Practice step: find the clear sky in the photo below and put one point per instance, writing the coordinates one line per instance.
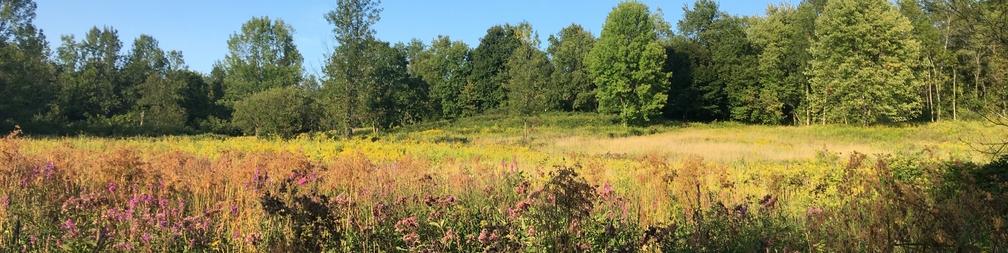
(200, 28)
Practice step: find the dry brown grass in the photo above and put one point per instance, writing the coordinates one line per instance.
(777, 143)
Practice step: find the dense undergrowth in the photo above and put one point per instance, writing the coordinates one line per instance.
(125, 198)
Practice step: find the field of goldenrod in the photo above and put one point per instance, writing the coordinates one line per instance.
(461, 190)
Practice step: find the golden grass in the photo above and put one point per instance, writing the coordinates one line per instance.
(661, 175)
(783, 143)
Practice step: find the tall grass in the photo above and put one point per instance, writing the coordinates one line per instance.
(314, 195)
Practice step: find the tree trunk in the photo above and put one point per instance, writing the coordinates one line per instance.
(930, 98)
(955, 95)
(808, 108)
(976, 76)
(349, 99)
(526, 131)
(347, 128)
(937, 93)
(948, 31)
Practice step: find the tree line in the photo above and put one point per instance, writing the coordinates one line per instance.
(819, 62)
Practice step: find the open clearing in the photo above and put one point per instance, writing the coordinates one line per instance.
(485, 175)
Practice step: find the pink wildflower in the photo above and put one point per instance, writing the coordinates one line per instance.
(71, 227)
(112, 187)
(448, 237)
(407, 224)
(412, 238)
(484, 236)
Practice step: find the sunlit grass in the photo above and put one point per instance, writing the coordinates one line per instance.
(668, 176)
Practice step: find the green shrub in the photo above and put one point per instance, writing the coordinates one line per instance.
(278, 111)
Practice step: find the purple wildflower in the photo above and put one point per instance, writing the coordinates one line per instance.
(71, 227)
(112, 187)
(406, 224)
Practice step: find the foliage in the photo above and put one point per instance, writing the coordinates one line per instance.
(724, 80)
(528, 80)
(781, 93)
(906, 61)
(702, 94)
(26, 77)
(572, 88)
(89, 76)
(445, 67)
(159, 105)
(626, 64)
(261, 56)
(280, 111)
(386, 96)
(488, 75)
(352, 22)
(858, 74)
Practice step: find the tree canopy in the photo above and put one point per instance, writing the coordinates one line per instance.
(573, 88)
(261, 56)
(863, 61)
(626, 64)
(818, 62)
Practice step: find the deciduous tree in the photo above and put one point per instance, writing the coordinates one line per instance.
(353, 22)
(863, 62)
(485, 89)
(26, 75)
(444, 66)
(626, 64)
(261, 56)
(573, 88)
(529, 79)
(781, 79)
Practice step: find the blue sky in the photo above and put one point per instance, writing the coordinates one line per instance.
(200, 28)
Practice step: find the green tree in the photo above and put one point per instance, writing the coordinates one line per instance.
(390, 96)
(805, 19)
(159, 107)
(686, 99)
(353, 22)
(485, 89)
(218, 112)
(932, 52)
(702, 94)
(196, 95)
(90, 81)
(444, 67)
(725, 79)
(626, 64)
(733, 57)
(145, 59)
(529, 79)
(26, 76)
(386, 95)
(781, 78)
(572, 89)
(261, 56)
(282, 111)
(170, 98)
(863, 61)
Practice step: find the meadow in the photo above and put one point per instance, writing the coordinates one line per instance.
(567, 183)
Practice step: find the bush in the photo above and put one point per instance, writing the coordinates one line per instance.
(278, 111)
